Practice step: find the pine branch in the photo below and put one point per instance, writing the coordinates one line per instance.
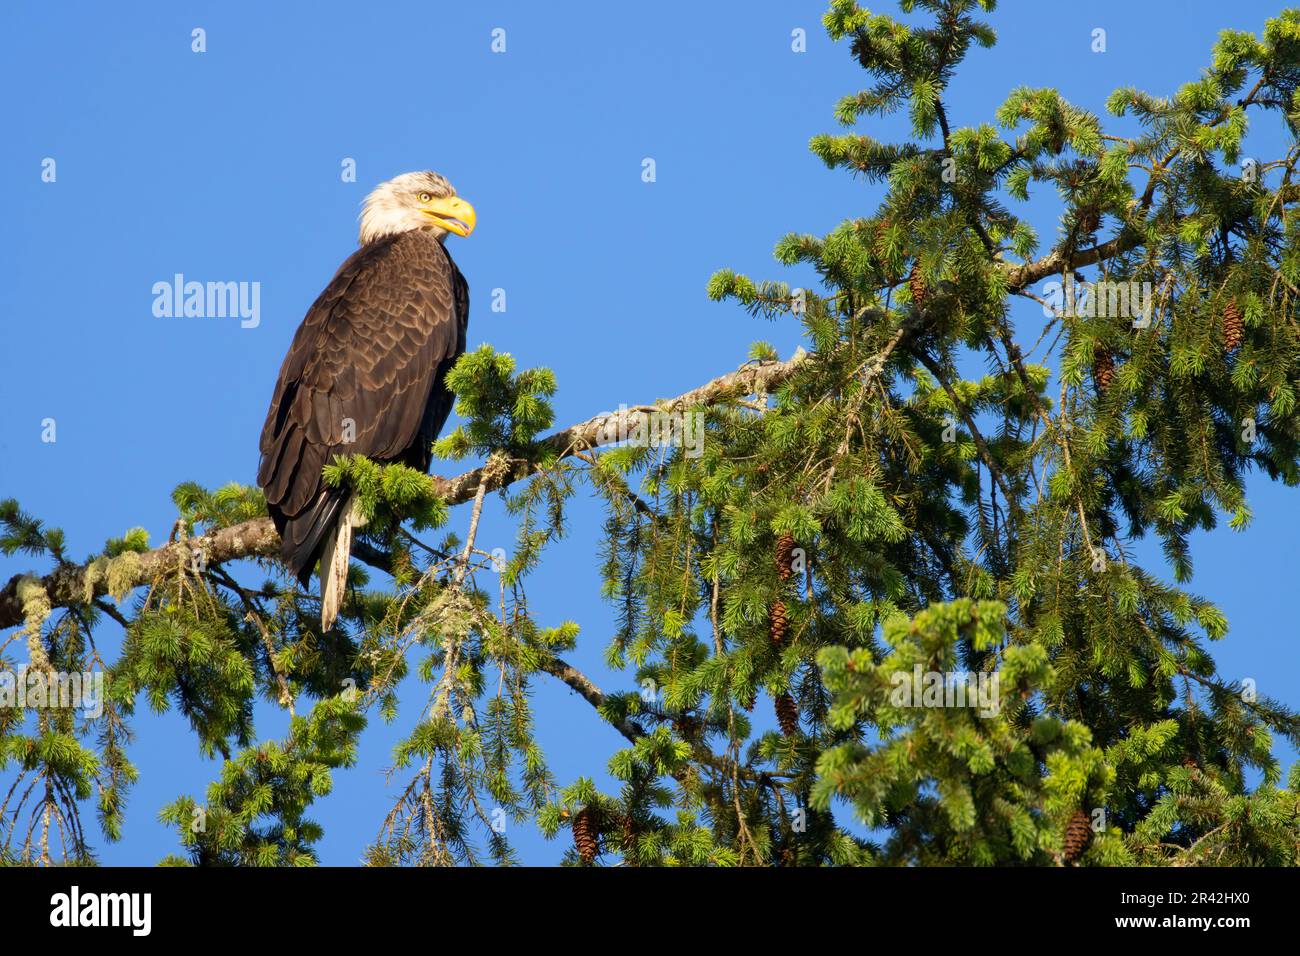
(258, 538)
(1063, 258)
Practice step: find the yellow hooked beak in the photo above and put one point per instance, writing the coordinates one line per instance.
(452, 213)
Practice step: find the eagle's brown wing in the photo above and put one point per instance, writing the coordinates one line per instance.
(366, 363)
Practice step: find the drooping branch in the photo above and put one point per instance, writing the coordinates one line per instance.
(66, 585)
(582, 684)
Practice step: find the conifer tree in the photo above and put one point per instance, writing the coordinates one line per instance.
(863, 517)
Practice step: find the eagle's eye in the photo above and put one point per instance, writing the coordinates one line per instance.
(425, 197)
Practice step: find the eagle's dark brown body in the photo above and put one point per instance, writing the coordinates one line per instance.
(370, 358)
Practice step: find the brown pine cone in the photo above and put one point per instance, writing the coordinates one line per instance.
(1103, 369)
(629, 833)
(1234, 329)
(787, 715)
(916, 285)
(585, 837)
(1078, 834)
(1088, 222)
(778, 623)
(784, 553)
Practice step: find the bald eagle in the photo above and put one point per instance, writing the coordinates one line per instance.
(366, 372)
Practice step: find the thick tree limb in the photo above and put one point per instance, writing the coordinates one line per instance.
(66, 585)
(1060, 260)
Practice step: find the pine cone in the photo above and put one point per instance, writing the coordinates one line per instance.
(629, 833)
(1103, 369)
(917, 286)
(1078, 834)
(585, 837)
(1234, 329)
(787, 715)
(878, 232)
(784, 553)
(1089, 220)
(777, 623)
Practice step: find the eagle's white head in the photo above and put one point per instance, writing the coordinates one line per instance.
(421, 200)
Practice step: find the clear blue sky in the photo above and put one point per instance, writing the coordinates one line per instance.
(225, 166)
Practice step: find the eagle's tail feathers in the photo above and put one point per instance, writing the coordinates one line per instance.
(334, 565)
